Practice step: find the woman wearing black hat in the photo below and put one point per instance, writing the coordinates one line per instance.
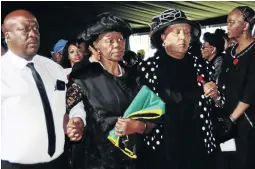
(105, 90)
(186, 140)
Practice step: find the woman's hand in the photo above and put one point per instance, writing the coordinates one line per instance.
(75, 128)
(211, 90)
(128, 126)
(95, 57)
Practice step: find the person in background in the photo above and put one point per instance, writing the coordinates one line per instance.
(33, 100)
(212, 51)
(71, 55)
(141, 54)
(58, 48)
(229, 42)
(83, 47)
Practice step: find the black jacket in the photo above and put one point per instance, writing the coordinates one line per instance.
(105, 98)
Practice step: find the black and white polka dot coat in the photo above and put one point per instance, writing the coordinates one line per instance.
(148, 70)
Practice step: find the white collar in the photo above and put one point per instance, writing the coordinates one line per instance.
(109, 72)
(18, 61)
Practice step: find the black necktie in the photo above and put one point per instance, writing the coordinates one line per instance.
(47, 110)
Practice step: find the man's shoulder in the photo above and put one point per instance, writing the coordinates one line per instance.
(3, 58)
(5, 61)
(47, 62)
(50, 66)
(44, 59)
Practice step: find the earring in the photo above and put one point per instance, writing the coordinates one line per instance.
(163, 44)
(99, 55)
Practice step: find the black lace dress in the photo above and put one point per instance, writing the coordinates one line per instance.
(105, 98)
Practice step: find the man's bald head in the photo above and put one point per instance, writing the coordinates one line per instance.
(21, 31)
(9, 20)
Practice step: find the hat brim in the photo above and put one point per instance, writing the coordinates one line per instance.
(106, 22)
(156, 34)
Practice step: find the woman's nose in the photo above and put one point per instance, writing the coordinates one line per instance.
(182, 35)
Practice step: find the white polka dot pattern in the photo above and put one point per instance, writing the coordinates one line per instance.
(205, 70)
(149, 68)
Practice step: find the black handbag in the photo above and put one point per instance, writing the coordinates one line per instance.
(224, 129)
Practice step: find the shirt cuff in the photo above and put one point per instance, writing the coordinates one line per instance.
(78, 111)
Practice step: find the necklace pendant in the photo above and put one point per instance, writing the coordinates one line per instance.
(235, 61)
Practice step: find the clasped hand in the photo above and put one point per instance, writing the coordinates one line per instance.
(74, 128)
(210, 90)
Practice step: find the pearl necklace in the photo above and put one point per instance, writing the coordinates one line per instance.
(238, 55)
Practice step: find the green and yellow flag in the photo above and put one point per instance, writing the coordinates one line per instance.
(146, 106)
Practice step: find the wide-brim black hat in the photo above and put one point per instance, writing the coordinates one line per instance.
(105, 22)
(169, 17)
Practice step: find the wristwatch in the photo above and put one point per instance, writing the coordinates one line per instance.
(232, 118)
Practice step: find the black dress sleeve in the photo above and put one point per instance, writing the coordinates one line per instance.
(249, 85)
(73, 96)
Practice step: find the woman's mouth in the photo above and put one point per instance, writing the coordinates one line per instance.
(78, 58)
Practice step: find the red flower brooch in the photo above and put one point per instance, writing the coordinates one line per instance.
(235, 61)
(200, 79)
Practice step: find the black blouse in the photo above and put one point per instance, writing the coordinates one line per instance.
(239, 79)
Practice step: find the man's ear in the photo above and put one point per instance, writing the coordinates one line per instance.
(7, 36)
(5, 32)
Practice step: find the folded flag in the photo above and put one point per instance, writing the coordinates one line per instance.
(147, 107)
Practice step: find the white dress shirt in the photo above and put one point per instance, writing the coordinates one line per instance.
(24, 137)
(67, 71)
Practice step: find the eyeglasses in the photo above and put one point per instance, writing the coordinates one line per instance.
(205, 47)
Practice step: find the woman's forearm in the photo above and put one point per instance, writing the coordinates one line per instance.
(239, 110)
